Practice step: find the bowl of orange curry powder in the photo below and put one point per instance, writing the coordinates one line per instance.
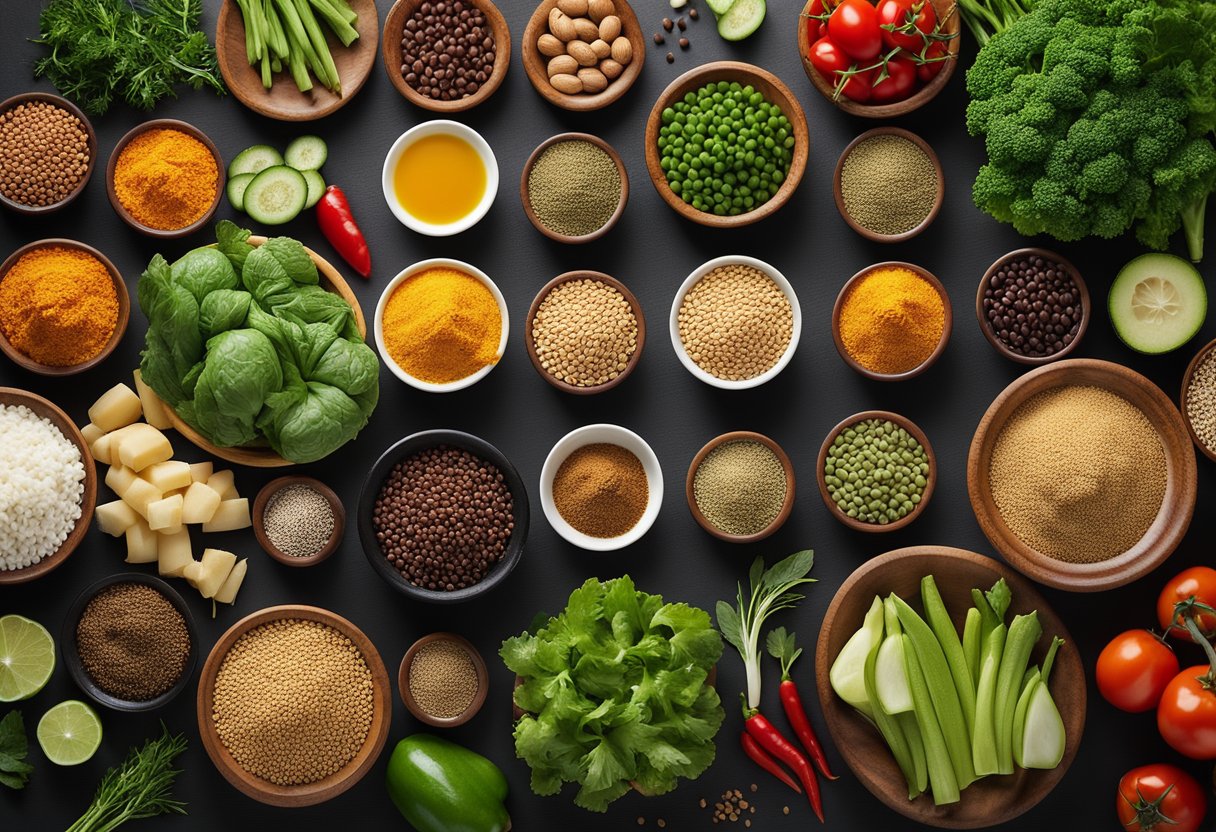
(165, 178)
(63, 307)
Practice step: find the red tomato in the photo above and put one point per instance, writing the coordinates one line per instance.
(935, 59)
(1134, 669)
(1158, 798)
(898, 15)
(829, 61)
(899, 83)
(1198, 582)
(853, 27)
(1186, 716)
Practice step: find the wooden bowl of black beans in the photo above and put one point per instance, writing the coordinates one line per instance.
(446, 57)
(1033, 306)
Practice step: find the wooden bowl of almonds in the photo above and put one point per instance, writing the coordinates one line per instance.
(583, 54)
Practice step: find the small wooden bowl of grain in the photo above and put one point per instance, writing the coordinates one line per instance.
(690, 486)
(1198, 405)
(273, 489)
(35, 98)
(525, 192)
(452, 665)
(930, 165)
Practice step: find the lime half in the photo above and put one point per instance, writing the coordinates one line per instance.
(27, 657)
(69, 733)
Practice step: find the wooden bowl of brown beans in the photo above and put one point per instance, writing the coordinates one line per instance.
(446, 57)
(1033, 306)
(53, 150)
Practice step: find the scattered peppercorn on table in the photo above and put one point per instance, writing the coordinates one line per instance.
(298, 722)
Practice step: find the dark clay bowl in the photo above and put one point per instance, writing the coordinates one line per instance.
(407, 696)
(409, 446)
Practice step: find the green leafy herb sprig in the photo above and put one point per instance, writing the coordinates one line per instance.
(14, 770)
(141, 786)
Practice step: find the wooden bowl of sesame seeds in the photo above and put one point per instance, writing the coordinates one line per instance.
(576, 304)
(64, 190)
(269, 491)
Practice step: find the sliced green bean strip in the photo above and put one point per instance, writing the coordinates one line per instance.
(938, 763)
(983, 744)
(971, 642)
(916, 746)
(1024, 632)
(947, 638)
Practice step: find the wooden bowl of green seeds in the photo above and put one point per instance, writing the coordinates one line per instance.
(888, 185)
(740, 487)
(574, 187)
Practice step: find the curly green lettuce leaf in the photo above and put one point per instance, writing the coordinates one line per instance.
(174, 343)
(204, 270)
(240, 372)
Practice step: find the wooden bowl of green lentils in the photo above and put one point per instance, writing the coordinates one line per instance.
(876, 471)
(740, 487)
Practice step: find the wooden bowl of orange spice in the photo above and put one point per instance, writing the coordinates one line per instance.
(63, 307)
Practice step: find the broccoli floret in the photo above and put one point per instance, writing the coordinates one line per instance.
(1181, 188)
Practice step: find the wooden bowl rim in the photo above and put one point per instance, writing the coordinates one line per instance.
(836, 711)
(407, 696)
(390, 50)
(272, 488)
(947, 325)
(328, 787)
(787, 504)
(630, 298)
(525, 195)
(751, 74)
(535, 63)
(939, 193)
(1203, 353)
(917, 434)
(1177, 506)
(898, 108)
(264, 457)
(70, 649)
(120, 328)
(352, 83)
(986, 326)
(48, 410)
(91, 134)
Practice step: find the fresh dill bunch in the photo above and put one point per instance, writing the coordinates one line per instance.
(141, 786)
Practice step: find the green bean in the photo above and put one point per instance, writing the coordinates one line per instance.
(947, 637)
(972, 646)
(940, 768)
(1024, 632)
(983, 743)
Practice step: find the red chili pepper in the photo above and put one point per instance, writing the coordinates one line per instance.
(771, 740)
(796, 714)
(339, 227)
(765, 760)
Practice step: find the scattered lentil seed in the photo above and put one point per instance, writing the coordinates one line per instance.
(740, 487)
(682, 24)
(601, 490)
(1033, 306)
(584, 332)
(659, 40)
(683, 43)
(694, 14)
(1201, 401)
(443, 679)
(735, 322)
(754, 788)
(888, 184)
(785, 810)
(876, 472)
(667, 24)
(298, 520)
(671, 58)
(44, 153)
(574, 188)
(132, 641)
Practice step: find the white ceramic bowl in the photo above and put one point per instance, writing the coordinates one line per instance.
(378, 327)
(613, 435)
(691, 280)
(431, 128)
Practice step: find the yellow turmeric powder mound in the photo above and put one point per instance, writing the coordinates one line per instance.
(166, 179)
(442, 325)
(892, 320)
(58, 306)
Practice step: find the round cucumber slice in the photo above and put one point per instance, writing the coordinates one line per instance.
(254, 160)
(741, 19)
(236, 189)
(1157, 303)
(276, 195)
(316, 187)
(306, 153)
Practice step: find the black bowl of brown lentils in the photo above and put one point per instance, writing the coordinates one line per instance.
(129, 642)
(47, 152)
(443, 516)
(1033, 306)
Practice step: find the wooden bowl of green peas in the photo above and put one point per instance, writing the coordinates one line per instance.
(716, 180)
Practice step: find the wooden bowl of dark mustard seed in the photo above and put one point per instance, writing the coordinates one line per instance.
(725, 495)
(871, 187)
(443, 680)
(1064, 289)
(545, 208)
(298, 521)
(39, 191)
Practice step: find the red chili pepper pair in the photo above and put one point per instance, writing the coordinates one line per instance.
(339, 227)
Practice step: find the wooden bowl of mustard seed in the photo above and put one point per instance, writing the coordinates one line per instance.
(888, 185)
(443, 680)
(36, 128)
(740, 487)
(574, 187)
(298, 521)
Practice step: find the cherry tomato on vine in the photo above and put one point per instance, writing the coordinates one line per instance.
(853, 27)
(899, 83)
(900, 13)
(935, 59)
(1186, 715)
(1160, 798)
(829, 60)
(1198, 582)
(1134, 669)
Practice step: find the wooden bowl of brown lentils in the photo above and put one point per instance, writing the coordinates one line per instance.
(1033, 306)
(446, 55)
(48, 150)
(443, 555)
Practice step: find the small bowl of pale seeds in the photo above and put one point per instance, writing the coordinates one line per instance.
(585, 332)
(735, 322)
(298, 521)
(443, 680)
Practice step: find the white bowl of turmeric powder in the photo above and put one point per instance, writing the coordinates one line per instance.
(441, 325)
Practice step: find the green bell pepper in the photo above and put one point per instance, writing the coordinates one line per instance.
(440, 786)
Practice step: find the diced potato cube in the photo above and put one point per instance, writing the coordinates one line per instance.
(140, 494)
(141, 543)
(100, 448)
(165, 514)
(173, 553)
(201, 471)
(232, 584)
(117, 407)
(224, 484)
(200, 504)
(192, 572)
(144, 447)
(91, 433)
(168, 476)
(154, 408)
(115, 518)
(230, 516)
(119, 479)
(216, 565)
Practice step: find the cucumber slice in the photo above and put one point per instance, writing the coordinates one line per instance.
(1157, 303)
(741, 19)
(719, 7)
(316, 187)
(236, 189)
(254, 160)
(306, 153)
(276, 195)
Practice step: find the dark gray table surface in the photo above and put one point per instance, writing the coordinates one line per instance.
(651, 250)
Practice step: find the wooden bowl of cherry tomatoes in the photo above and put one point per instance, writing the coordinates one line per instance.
(875, 72)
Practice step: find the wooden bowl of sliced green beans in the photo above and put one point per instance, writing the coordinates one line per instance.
(990, 800)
